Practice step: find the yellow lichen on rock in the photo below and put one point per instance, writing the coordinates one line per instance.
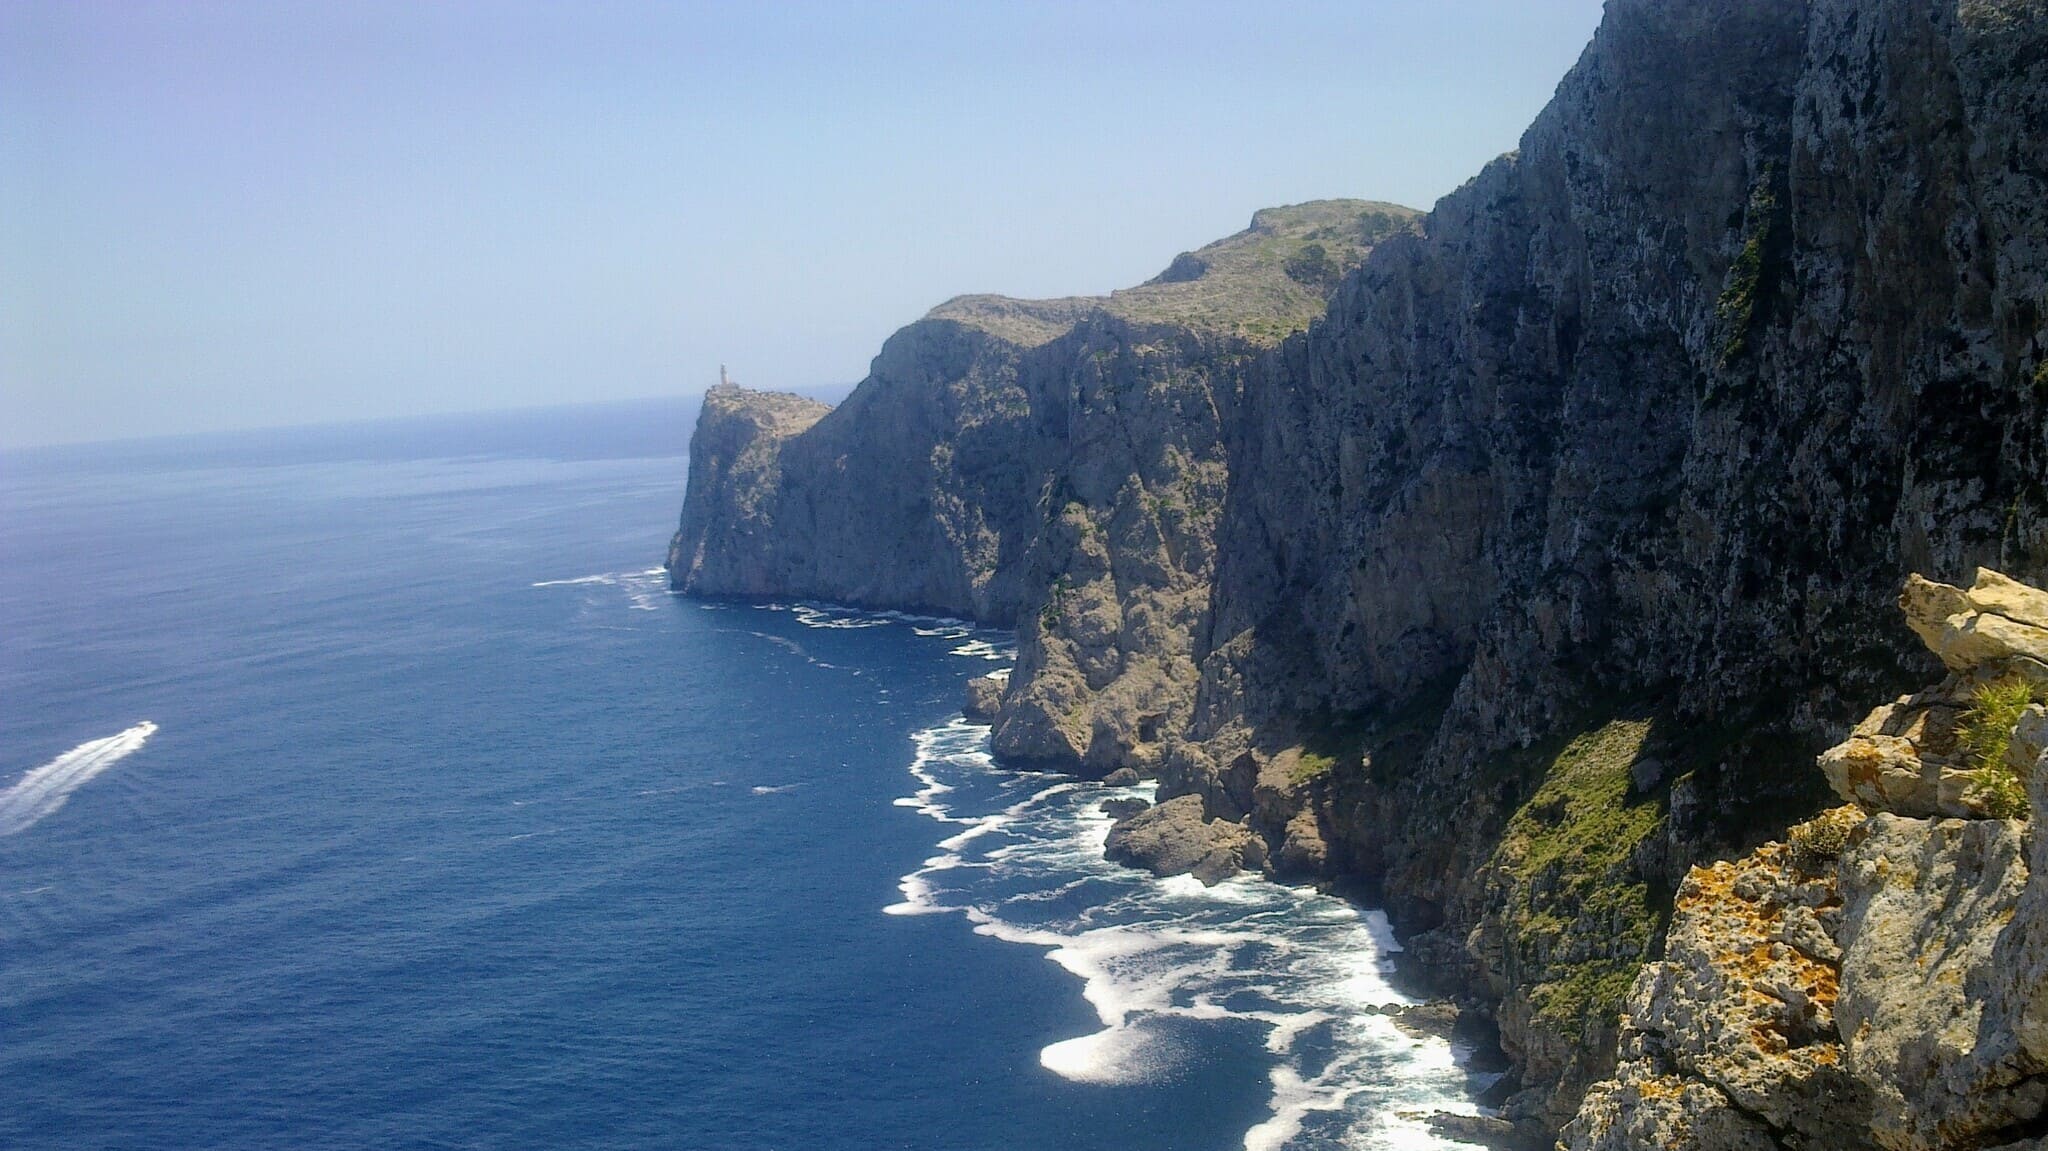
(1876, 980)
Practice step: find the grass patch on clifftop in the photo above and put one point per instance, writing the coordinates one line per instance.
(1262, 284)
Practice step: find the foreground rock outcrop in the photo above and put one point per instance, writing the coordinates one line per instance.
(1908, 757)
(1877, 980)
(1530, 562)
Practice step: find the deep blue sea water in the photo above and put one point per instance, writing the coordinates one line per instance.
(363, 788)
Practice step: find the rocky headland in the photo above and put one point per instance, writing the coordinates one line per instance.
(1054, 465)
(1515, 561)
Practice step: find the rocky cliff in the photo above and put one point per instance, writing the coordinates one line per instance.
(1579, 517)
(1540, 565)
(735, 479)
(1880, 978)
(1058, 465)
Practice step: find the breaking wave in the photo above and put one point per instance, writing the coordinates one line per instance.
(1023, 863)
(44, 790)
(981, 642)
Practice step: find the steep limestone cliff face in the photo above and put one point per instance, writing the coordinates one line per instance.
(1057, 465)
(1124, 548)
(1632, 447)
(864, 504)
(735, 476)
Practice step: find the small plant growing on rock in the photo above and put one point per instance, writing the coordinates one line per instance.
(1748, 276)
(1055, 603)
(1985, 731)
(1311, 766)
(1820, 841)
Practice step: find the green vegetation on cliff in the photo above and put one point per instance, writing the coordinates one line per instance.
(1985, 729)
(1749, 277)
(1263, 284)
(1577, 917)
(1377, 747)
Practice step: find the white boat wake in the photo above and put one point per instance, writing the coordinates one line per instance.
(45, 789)
(645, 589)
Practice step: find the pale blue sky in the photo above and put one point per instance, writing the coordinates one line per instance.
(223, 215)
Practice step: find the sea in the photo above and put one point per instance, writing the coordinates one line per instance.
(365, 787)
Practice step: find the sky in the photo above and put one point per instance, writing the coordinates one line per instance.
(227, 215)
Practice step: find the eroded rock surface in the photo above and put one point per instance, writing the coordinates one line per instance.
(1875, 981)
(1874, 1001)
(1904, 758)
(1926, 905)
(1995, 622)
(1178, 838)
(985, 695)
(1908, 757)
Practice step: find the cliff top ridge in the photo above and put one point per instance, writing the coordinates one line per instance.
(1263, 283)
(780, 413)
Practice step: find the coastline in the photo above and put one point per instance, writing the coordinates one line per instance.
(1163, 959)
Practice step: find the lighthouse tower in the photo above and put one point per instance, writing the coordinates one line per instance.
(722, 381)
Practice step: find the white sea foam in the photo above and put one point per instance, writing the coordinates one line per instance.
(971, 640)
(647, 589)
(935, 622)
(40, 792)
(813, 615)
(776, 789)
(987, 649)
(1022, 861)
(1113, 1055)
(644, 589)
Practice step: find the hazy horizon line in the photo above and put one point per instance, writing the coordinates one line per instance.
(825, 393)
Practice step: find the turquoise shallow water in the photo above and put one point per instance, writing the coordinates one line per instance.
(453, 829)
